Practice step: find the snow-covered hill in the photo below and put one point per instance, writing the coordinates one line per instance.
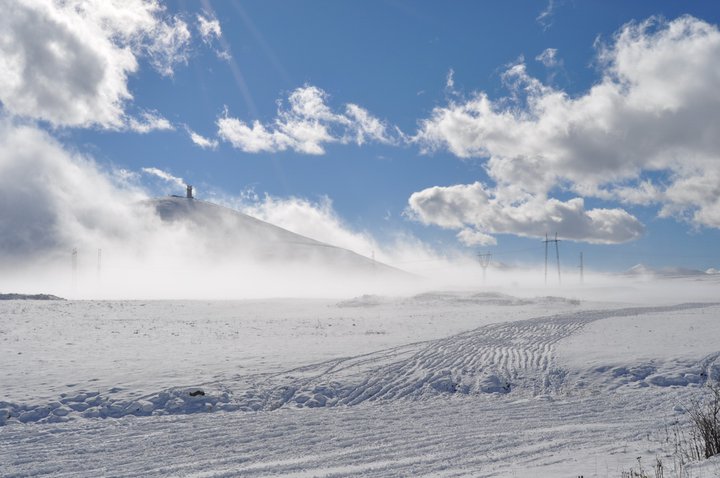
(232, 235)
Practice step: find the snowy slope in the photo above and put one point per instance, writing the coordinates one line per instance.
(232, 234)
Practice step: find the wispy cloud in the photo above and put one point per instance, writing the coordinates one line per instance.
(546, 16)
(209, 28)
(549, 58)
(149, 121)
(201, 141)
(165, 176)
(211, 34)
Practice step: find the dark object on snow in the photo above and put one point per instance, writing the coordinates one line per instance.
(196, 393)
(29, 297)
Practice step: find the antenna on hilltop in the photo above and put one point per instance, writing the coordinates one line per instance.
(557, 254)
(189, 192)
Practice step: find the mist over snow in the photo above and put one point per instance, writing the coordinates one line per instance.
(56, 200)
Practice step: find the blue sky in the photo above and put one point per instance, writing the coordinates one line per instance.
(405, 63)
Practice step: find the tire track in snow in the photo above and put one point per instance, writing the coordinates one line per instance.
(492, 359)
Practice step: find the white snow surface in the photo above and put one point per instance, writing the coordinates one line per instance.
(450, 383)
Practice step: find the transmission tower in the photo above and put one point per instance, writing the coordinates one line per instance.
(557, 255)
(582, 270)
(484, 262)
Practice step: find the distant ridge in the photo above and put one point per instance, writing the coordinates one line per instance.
(643, 270)
(29, 297)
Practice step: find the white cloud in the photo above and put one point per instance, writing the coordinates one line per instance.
(201, 141)
(211, 33)
(149, 121)
(169, 45)
(306, 126)
(363, 127)
(209, 28)
(54, 200)
(68, 62)
(546, 16)
(549, 58)
(646, 133)
(484, 211)
(165, 176)
(450, 80)
(471, 237)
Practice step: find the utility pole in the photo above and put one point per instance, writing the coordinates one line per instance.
(484, 262)
(557, 255)
(99, 265)
(74, 269)
(582, 270)
(546, 247)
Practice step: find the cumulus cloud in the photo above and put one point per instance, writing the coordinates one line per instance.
(68, 62)
(476, 210)
(305, 125)
(646, 133)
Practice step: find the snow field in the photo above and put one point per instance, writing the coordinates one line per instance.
(489, 435)
(438, 384)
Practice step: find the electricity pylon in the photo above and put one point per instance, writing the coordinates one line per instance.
(484, 262)
(557, 255)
